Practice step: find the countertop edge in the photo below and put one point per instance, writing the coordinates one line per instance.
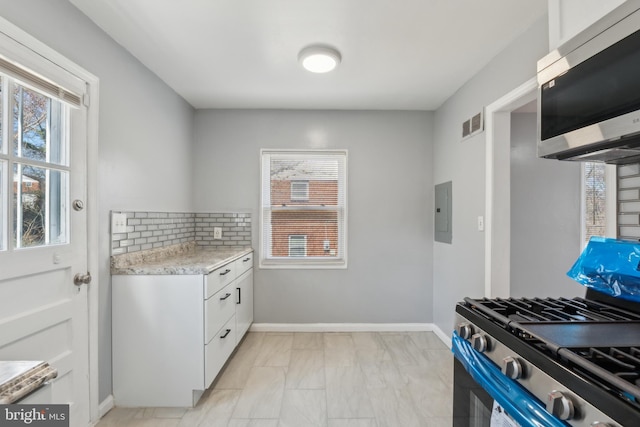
(189, 263)
(22, 378)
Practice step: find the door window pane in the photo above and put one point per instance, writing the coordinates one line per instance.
(37, 126)
(39, 206)
(34, 163)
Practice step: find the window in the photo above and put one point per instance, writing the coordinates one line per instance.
(34, 161)
(628, 201)
(594, 199)
(599, 201)
(299, 190)
(297, 245)
(304, 209)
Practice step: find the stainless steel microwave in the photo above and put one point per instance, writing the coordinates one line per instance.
(589, 92)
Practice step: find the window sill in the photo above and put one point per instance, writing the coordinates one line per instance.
(302, 264)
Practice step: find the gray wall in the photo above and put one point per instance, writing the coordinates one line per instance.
(396, 273)
(545, 217)
(459, 267)
(145, 133)
(389, 277)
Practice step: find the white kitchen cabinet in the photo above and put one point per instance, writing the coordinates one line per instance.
(172, 334)
(244, 295)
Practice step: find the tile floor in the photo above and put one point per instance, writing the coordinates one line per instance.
(363, 379)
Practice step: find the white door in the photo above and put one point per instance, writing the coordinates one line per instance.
(43, 239)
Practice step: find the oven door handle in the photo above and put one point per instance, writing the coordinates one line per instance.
(522, 406)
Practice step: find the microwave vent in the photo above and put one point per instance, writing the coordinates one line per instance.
(472, 126)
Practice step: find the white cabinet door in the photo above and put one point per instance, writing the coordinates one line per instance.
(244, 303)
(158, 334)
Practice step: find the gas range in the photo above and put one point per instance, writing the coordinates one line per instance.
(578, 358)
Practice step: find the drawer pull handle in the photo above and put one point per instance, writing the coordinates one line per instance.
(225, 333)
(227, 295)
(227, 271)
(246, 259)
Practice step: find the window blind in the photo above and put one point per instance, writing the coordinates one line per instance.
(304, 199)
(40, 84)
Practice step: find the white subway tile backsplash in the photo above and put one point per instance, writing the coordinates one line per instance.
(147, 230)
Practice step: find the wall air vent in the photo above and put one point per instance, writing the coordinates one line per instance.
(473, 126)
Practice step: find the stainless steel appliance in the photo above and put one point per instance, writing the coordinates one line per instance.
(589, 92)
(548, 362)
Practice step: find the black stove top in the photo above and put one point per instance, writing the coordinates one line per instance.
(596, 339)
(551, 310)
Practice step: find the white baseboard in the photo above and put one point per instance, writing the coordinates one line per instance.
(105, 406)
(352, 327)
(342, 327)
(446, 339)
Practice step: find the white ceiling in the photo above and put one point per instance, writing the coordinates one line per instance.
(396, 54)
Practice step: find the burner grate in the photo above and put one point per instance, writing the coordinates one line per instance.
(622, 363)
(532, 310)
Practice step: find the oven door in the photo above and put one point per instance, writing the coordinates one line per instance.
(472, 405)
(484, 397)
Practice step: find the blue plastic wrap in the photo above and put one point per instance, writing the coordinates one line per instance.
(518, 402)
(609, 266)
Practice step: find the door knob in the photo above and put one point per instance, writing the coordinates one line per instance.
(82, 279)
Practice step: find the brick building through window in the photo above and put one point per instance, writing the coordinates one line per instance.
(301, 217)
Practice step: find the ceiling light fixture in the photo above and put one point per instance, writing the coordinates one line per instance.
(319, 59)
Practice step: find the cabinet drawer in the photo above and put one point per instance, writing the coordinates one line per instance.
(218, 310)
(219, 278)
(218, 350)
(243, 263)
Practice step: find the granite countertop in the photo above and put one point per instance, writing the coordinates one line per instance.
(185, 258)
(19, 378)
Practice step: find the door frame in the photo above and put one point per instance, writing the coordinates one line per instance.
(497, 244)
(92, 103)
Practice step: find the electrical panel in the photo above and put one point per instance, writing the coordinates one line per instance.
(442, 217)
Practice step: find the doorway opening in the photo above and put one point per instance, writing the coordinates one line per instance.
(535, 207)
